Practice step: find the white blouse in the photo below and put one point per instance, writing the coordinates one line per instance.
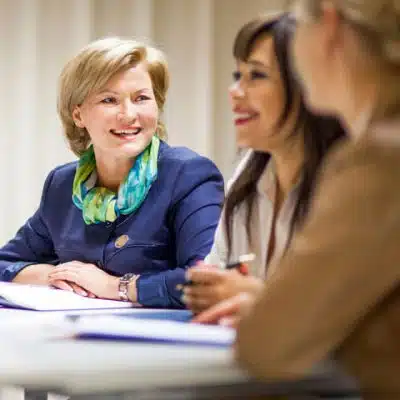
(260, 225)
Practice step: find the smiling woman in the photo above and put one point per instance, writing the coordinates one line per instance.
(269, 194)
(120, 120)
(127, 219)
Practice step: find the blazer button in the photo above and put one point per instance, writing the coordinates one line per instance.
(121, 241)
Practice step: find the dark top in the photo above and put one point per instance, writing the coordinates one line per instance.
(172, 229)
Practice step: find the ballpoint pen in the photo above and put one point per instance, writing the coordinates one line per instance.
(240, 265)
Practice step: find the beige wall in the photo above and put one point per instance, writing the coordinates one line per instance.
(38, 36)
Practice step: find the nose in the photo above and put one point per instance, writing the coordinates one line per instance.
(128, 113)
(236, 90)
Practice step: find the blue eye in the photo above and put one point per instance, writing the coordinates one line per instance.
(109, 100)
(236, 75)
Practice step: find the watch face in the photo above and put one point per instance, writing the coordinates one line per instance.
(128, 277)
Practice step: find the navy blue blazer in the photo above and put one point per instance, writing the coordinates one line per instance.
(172, 229)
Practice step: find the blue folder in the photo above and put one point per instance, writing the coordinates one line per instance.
(166, 315)
(169, 315)
(166, 326)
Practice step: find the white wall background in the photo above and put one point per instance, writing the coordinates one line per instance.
(39, 36)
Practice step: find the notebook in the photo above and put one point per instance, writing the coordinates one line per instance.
(119, 328)
(43, 298)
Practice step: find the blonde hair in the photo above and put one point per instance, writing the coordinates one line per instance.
(377, 22)
(93, 67)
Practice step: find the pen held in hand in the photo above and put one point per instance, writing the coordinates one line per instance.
(240, 265)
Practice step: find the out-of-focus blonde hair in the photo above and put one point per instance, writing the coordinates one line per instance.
(377, 22)
(91, 69)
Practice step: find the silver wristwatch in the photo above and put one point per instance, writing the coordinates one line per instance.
(124, 281)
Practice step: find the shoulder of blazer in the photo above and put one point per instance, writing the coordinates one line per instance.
(181, 159)
(62, 176)
(176, 154)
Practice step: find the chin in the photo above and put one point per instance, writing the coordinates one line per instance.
(132, 151)
(134, 148)
(316, 104)
(243, 138)
(243, 144)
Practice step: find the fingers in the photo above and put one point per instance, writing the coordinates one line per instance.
(199, 297)
(206, 275)
(210, 286)
(202, 291)
(79, 290)
(198, 305)
(231, 322)
(226, 308)
(71, 287)
(59, 284)
(72, 267)
(64, 274)
(73, 271)
(84, 279)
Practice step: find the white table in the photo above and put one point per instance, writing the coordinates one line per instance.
(15, 315)
(101, 368)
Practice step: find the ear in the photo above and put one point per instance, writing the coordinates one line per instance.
(77, 117)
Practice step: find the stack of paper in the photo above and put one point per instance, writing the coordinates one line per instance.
(43, 298)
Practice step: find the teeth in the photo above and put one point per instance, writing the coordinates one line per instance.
(243, 115)
(127, 132)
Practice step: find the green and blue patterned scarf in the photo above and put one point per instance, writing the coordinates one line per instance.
(99, 204)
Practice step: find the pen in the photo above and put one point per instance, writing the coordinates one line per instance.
(240, 265)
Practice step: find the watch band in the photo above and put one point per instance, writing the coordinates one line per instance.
(124, 282)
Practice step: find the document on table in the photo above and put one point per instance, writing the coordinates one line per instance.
(143, 330)
(43, 298)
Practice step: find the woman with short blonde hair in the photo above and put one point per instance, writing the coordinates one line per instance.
(93, 68)
(127, 219)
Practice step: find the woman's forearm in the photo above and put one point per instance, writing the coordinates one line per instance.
(36, 274)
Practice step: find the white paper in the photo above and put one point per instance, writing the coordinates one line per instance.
(114, 327)
(43, 298)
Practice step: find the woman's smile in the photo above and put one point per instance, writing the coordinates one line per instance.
(126, 133)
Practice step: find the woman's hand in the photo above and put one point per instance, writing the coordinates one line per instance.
(71, 287)
(213, 284)
(38, 274)
(87, 277)
(228, 312)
